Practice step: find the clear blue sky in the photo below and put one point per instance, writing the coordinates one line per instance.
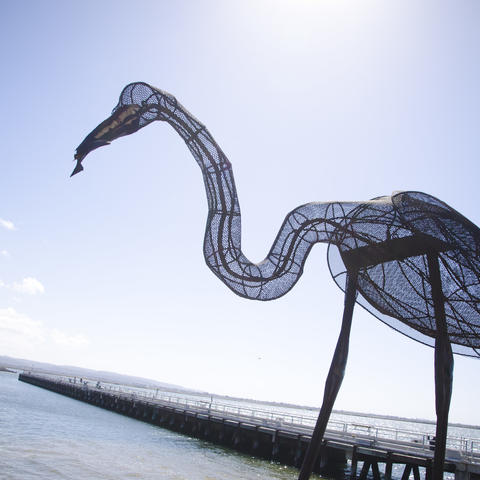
(311, 101)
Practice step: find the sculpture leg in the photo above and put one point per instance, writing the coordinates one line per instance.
(334, 379)
(443, 368)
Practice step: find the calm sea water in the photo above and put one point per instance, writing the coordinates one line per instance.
(44, 435)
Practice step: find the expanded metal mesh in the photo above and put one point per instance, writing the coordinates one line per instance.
(386, 239)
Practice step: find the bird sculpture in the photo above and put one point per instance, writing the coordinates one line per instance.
(410, 259)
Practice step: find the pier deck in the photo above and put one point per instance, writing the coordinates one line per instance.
(280, 437)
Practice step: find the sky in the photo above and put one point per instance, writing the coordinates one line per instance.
(310, 100)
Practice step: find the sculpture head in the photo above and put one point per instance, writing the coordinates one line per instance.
(139, 105)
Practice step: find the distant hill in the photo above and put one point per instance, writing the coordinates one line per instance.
(14, 364)
(98, 375)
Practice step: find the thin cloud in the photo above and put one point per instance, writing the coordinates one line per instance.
(15, 325)
(7, 224)
(4, 253)
(29, 285)
(62, 338)
(19, 332)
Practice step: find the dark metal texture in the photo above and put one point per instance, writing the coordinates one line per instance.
(415, 260)
(386, 238)
(443, 367)
(334, 379)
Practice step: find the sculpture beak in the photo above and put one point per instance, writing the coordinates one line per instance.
(124, 121)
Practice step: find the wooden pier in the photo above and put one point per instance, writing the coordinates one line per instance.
(270, 440)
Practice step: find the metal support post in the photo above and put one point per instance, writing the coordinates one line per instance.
(443, 367)
(334, 378)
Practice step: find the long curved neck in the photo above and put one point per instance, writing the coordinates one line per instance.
(215, 167)
(302, 228)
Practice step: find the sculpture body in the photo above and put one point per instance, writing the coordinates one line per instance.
(413, 261)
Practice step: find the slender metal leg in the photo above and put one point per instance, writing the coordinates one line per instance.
(334, 379)
(443, 368)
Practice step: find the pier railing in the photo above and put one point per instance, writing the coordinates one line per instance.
(458, 448)
(373, 435)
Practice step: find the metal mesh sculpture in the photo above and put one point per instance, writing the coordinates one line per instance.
(408, 258)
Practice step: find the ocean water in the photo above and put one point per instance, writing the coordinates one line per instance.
(44, 435)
